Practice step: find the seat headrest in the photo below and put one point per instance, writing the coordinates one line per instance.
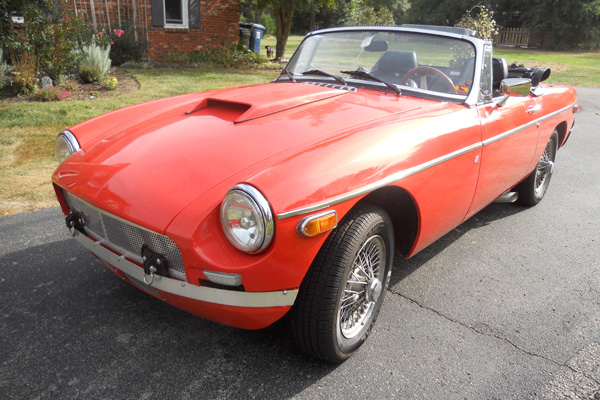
(499, 69)
(396, 61)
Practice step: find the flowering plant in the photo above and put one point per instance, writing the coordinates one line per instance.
(52, 93)
(105, 37)
(110, 82)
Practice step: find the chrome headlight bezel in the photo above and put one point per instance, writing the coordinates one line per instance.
(260, 229)
(65, 145)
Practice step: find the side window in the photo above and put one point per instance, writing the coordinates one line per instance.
(176, 14)
(485, 86)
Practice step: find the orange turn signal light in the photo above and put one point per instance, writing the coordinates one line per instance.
(319, 223)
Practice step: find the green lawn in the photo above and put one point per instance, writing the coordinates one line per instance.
(577, 69)
(291, 45)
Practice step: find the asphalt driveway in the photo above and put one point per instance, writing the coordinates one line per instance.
(505, 306)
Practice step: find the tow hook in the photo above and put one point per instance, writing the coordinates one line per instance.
(154, 264)
(75, 222)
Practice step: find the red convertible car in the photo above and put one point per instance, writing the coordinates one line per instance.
(243, 205)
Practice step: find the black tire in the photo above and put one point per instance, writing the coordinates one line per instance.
(533, 188)
(322, 323)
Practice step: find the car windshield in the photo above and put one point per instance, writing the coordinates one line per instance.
(416, 62)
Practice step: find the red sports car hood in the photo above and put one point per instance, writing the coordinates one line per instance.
(156, 158)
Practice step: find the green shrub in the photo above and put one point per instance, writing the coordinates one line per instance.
(69, 82)
(226, 56)
(53, 36)
(24, 79)
(179, 58)
(110, 82)
(89, 73)
(124, 47)
(4, 67)
(96, 63)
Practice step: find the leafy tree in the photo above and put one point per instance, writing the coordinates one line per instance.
(435, 12)
(572, 23)
(385, 16)
(267, 21)
(250, 10)
(367, 16)
(481, 20)
(284, 11)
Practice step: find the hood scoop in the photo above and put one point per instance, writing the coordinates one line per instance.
(225, 110)
(252, 102)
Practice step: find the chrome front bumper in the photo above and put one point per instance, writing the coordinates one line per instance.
(185, 289)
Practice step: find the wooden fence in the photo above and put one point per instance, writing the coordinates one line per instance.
(514, 37)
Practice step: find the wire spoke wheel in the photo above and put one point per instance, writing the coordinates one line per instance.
(533, 188)
(543, 170)
(363, 288)
(342, 293)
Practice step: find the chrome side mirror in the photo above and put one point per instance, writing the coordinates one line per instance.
(517, 86)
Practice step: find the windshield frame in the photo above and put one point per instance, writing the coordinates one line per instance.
(443, 32)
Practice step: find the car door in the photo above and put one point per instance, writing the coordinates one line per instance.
(510, 135)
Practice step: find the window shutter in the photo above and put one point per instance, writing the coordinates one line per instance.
(158, 13)
(194, 13)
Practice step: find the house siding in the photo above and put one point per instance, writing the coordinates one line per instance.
(218, 24)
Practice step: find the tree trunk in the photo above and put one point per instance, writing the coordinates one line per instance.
(312, 23)
(284, 10)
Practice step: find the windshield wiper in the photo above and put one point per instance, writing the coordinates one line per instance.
(323, 73)
(288, 74)
(365, 75)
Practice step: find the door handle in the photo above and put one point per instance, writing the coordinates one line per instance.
(532, 109)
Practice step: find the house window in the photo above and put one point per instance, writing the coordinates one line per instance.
(176, 13)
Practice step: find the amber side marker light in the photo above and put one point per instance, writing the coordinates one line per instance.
(319, 223)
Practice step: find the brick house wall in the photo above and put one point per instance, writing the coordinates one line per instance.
(211, 23)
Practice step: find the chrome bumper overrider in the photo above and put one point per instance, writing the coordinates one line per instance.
(185, 289)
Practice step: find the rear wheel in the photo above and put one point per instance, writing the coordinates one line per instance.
(533, 188)
(342, 293)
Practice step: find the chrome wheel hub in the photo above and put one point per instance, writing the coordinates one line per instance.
(373, 290)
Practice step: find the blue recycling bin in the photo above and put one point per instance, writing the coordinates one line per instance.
(256, 34)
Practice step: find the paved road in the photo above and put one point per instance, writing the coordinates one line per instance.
(505, 306)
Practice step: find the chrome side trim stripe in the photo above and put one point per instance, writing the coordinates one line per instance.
(411, 171)
(522, 127)
(379, 184)
(185, 289)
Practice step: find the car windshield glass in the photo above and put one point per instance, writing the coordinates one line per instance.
(412, 61)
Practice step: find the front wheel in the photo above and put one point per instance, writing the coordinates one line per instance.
(533, 188)
(343, 291)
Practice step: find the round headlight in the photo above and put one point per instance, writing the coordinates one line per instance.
(65, 145)
(247, 219)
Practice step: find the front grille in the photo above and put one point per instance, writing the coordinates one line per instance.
(125, 237)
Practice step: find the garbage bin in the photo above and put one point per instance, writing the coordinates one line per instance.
(257, 33)
(245, 31)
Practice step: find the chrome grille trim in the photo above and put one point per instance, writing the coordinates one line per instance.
(125, 237)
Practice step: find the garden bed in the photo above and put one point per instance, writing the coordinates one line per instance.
(80, 91)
